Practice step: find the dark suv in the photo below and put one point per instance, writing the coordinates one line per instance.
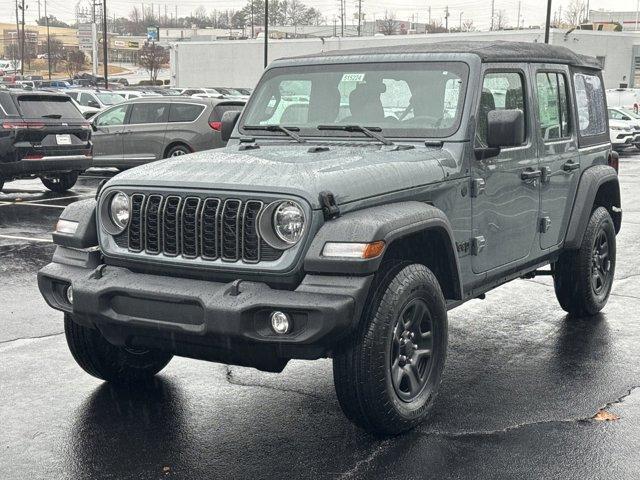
(42, 134)
(363, 194)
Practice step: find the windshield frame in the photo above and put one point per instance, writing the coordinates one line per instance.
(462, 66)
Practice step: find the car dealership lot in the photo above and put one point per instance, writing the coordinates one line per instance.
(522, 382)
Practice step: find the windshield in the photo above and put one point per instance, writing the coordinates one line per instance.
(631, 113)
(109, 98)
(402, 99)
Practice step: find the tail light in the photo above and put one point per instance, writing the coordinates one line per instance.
(18, 125)
(614, 160)
(217, 126)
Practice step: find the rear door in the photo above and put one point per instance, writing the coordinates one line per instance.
(107, 136)
(558, 147)
(144, 132)
(505, 188)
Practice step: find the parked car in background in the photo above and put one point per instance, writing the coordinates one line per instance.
(59, 84)
(28, 84)
(232, 93)
(244, 91)
(150, 128)
(623, 97)
(42, 134)
(87, 112)
(99, 99)
(621, 135)
(631, 118)
(131, 94)
(203, 93)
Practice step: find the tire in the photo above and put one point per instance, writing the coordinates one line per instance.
(363, 366)
(583, 278)
(177, 150)
(60, 182)
(1, 184)
(109, 362)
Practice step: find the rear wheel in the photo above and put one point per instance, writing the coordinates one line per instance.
(60, 182)
(387, 376)
(583, 278)
(177, 151)
(109, 362)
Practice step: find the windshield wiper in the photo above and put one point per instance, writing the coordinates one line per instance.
(368, 131)
(278, 128)
(52, 115)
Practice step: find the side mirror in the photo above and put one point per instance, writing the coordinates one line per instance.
(229, 120)
(626, 118)
(505, 128)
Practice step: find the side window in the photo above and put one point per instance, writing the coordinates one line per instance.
(615, 115)
(184, 112)
(73, 95)
(590, 104)
(500, 91)
(115, 116)
(553, 106)
(148, 113)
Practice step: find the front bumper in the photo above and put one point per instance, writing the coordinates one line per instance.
(205, 319)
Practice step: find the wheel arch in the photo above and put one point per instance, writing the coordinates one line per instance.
(173, 144)
(406, 228)
(598, 187)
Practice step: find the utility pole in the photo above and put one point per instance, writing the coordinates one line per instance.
(22, 42)
(94, 40)
(342, 18)
(17, 40)
(637, 12)
(105, 45)
(266, 33)
(461, 13)
(48, 39)
(493, 12)
(253, 35)
(359, 15)
(446, 19)
(547, 24)
(518, 24)
(39, 17)
(429, 14)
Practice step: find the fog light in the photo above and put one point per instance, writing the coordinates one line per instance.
(280, 323)
(69, 293)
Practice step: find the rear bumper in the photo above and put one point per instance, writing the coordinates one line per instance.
(46, 164)
(204, 319)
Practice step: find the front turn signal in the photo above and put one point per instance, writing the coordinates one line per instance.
(363, 251)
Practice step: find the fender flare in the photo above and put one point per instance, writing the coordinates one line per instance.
(86, 235)
(590, 182)
(390, 223)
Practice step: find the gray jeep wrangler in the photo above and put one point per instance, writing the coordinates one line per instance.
(362, 195)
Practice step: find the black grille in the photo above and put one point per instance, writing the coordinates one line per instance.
(194, 227)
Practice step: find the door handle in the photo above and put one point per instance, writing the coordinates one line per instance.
(570, 166)
(530, 174)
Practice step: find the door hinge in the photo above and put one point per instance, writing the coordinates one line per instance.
(546, 175)
(477, 244)
(478, 186)
(545, 224)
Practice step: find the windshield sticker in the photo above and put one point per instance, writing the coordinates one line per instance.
(353, 77)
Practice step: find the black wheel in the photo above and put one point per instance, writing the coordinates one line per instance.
(387, 376)
(177, 151)
(60, 182)
(583, 278)
(109, 362)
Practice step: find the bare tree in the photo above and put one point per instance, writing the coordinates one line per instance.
(388, 24)
(468, 26)
(575, 12)
(152, 58)
(501, 22)
(74, 62)
(56, 52)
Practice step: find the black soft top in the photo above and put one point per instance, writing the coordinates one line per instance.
(488, 51)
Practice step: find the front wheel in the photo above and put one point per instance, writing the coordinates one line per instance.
(109, 362)
(60, 182)
(387, 376)
(583, 278)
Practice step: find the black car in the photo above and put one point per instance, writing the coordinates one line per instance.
(42, 134)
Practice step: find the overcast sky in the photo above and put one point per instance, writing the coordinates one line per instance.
(532, 11)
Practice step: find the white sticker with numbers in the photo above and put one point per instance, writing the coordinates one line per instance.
(353, 77)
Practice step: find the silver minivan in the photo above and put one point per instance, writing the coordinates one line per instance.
(146, 129)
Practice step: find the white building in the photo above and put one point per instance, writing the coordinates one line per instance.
(240, 63)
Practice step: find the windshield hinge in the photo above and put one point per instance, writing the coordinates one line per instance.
(329, 208)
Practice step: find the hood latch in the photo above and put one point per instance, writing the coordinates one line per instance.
(330, 209)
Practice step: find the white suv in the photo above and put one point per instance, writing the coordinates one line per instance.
(630, 118)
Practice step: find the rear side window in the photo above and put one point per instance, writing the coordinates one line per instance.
(553, 106)
(219, 110)
(34, 106)
(184, 112)
(592, 116)
(148, 113)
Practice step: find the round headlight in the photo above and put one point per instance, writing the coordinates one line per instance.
(119, 210)
(288, 222)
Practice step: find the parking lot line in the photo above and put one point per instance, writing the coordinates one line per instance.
(29, 239)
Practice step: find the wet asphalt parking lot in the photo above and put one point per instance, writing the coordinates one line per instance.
(521, 385)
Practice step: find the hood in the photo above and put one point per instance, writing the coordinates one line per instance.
(350, 173)
(620, 123)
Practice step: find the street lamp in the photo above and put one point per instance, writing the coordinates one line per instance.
(266, 32)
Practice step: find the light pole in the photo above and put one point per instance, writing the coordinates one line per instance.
(105, 45)
(461, 13)
(547, 24)
(266, 33)
(48, 39)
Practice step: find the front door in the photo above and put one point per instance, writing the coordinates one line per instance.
(107, 136)
(505, 188)
(144, 132)
(559, 158)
